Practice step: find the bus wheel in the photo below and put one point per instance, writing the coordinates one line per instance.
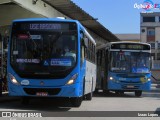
(119, 92)
(138, 93)
(89, 96)
(96, 90)
(106, 91)
(25, 100)
(76, 102)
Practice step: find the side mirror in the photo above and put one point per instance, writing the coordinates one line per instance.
(85, 41)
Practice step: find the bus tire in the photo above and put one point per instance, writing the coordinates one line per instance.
(76, 102)
(89, 96)
(96, 90)
(105, 91)
(138, 93)
(25, 100)
(119, 92)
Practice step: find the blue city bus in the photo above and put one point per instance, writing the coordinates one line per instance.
(51, 57)
(124, 67)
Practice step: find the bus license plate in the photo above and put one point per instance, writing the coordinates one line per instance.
(42, 94)
(130, 86)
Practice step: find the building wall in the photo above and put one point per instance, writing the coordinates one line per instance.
(150, 33)
(143, 35)
(157, 30)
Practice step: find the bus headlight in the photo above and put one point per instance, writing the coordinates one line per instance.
(13, 79)
(72, 80)
(110, 78)
(113, 79)
(149, 79)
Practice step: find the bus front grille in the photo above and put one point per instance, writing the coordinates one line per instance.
(34, 91)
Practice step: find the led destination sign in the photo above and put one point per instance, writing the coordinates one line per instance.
(45, 26)
(127, 46)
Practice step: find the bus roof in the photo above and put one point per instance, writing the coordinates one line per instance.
(130, 42)
(45, 19)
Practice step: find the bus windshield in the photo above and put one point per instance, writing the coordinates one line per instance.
(43, 49)
(130, 62)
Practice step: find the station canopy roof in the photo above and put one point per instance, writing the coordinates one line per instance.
(66, 7)
(73, 11)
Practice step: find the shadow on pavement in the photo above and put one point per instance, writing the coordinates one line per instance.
(64, 104)
(157, 111)
(40, 104)
(112, 94)
(152, 94)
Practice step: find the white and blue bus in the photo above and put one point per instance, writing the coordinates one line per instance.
(123, 67)
(51, 57)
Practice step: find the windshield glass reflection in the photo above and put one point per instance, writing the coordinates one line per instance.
(130, 62)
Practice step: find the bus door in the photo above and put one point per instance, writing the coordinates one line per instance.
(107, 62)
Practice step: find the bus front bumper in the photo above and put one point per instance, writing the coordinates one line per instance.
(129, 86)
(60, 91)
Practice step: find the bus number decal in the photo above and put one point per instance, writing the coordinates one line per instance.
(28, 61)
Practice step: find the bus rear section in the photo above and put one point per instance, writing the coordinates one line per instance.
(44, 60)
(126, 69)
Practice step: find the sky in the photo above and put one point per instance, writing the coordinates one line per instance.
(118, 16)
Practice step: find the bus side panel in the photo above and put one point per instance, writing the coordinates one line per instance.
(90, 78)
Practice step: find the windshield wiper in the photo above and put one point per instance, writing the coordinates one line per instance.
(32, 40)
(54, 40)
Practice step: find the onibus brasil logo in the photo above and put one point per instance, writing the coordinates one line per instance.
(147, 6)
